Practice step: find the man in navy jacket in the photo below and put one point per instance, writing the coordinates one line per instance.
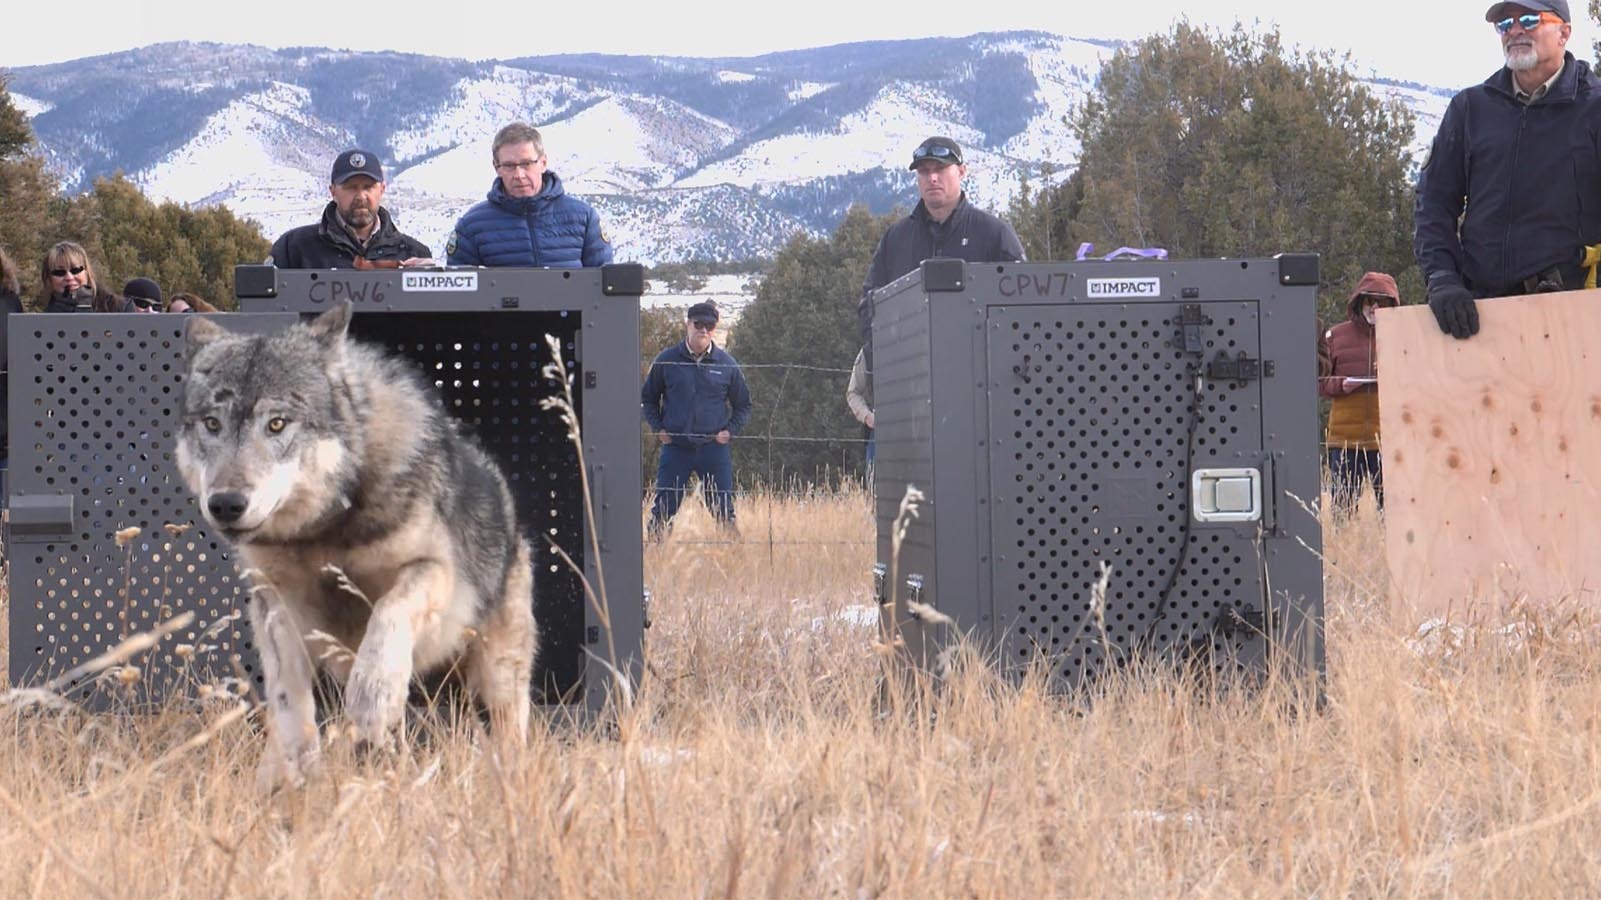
(528, 218)
(696, 401)
(1509, 200)
(356, 231)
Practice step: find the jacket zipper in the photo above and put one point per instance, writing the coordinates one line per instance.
(1506, 238)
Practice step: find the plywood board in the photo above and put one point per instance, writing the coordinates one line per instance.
(1491, 450)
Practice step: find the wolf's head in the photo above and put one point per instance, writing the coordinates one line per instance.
(268, 442)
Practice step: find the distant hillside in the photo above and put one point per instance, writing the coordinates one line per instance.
(685, 157)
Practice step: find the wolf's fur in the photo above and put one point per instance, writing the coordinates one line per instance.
(317, 456)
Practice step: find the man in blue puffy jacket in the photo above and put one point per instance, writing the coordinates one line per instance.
(528, 219)
(1507, 201)
(696, 401)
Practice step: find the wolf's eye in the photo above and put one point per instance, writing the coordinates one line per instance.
(212, 425)
(277, 424)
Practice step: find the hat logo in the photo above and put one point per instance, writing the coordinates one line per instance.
(358, 161)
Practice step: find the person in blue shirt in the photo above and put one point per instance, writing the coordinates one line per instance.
(528, 218)
(696, 401)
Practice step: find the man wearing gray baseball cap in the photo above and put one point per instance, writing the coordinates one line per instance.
(1525, 145)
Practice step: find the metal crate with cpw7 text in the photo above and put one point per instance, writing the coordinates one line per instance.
(1117, 460)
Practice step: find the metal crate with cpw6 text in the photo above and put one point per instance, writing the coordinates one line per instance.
(1117, 460)
(96, 403)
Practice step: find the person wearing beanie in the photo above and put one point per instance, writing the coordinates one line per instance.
(356, 231)
(142, 295)
(696, 402)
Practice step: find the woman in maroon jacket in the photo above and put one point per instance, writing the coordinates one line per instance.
(1348, 376)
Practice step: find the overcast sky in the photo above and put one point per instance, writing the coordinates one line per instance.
(1431, 41)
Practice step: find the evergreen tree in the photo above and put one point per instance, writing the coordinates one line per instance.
(181, 248)
(25, 193)
(797, 341)
(1595, 16)
(1214, 145)
(125, 234)
(1043, 218)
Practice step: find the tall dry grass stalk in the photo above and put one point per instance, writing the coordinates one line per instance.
(1464, 763)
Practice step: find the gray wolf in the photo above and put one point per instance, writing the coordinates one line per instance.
(383, 542)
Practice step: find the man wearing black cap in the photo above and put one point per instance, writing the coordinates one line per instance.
(1525, 145)
(696, 401)
(943, 224)
(355, 231)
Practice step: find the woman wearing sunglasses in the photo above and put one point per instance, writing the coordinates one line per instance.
(70, 285)
(182, 302)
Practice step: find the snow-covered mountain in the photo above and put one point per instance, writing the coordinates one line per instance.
(685, 158)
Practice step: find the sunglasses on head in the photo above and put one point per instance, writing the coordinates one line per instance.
(1528, 21)
(932, 151)
(62, 273)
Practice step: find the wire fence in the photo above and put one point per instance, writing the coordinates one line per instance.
(762, 506)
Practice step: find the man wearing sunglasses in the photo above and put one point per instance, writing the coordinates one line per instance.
(355, 232)
(696, 401)
(942, 224)
(1525, 146)
(142, 295)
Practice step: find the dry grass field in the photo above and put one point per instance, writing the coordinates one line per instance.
(756, 762)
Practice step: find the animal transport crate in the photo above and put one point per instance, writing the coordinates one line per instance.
(1156, 417)
(95, 406)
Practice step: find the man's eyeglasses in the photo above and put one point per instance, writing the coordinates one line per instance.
(144, 302)
(932, 151)
(704, 326)
(525, 165)
(1528, 21)
(62, 273)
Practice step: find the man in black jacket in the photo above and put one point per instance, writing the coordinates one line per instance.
(1525, 145)
(355, 231)
(943, 224)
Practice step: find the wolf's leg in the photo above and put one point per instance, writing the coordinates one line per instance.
(500, 661)
(375, 695)
(286, 670)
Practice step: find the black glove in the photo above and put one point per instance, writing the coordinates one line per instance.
(1454, 309)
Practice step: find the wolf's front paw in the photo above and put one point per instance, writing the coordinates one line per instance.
(283, 767)
(375, 697)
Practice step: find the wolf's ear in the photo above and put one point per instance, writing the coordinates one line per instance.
(330, 327)
(201, 331)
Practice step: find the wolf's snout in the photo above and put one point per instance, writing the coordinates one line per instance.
(227, 506)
